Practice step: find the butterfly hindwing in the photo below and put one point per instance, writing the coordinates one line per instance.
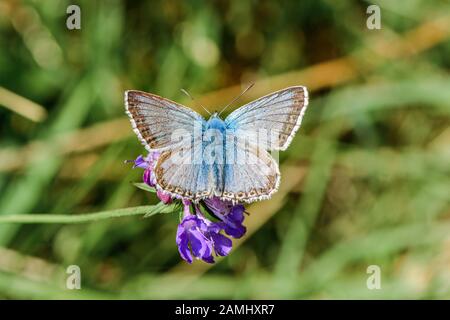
(189, 171)
(256, 178)
(185, 171)
(178, 176)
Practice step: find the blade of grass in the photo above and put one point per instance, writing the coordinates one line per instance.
(22, 106)
(22, 194)
(304, 217)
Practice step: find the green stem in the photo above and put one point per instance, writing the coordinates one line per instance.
(74, 218)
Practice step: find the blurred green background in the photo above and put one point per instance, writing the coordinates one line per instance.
(365, 181)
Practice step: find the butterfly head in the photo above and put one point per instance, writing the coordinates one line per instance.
(215, 122)
(215, 116)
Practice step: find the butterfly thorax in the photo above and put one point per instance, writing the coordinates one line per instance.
(215, 122)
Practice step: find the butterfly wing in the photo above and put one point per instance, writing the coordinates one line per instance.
(183, 171)
(255, 178)
(279, 116)
(251, 175)
(178, 176)
(279, 113)
(154, 119)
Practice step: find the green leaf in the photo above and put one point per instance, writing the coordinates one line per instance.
(180, 215)
(144, 187)
(163, 208)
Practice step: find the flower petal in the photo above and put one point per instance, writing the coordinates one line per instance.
(147, 177)
(218, 206)
(186, 207)
(207, 256)
(183, 244)
(237, 213)
(198, 243)
(222, 245)
(164, 197)
(235, 230)
(140, 163)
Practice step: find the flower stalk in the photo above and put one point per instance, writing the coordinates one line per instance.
(74, 218)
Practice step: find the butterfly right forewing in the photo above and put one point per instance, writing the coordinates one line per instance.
(279, 113)
(273, 119)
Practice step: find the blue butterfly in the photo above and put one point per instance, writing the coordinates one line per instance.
(188, 168)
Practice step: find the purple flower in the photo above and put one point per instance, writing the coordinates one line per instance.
(197, 236)
(221, 244)
(231, 215)
(186, 207)
(148, 164)
(147, 177)
(139, 162)
(191, 239)
(164, 197)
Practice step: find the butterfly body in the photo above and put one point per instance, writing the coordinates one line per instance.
(213, 138)
(215, 157)
(216, 123)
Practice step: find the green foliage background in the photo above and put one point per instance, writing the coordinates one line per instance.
(365, 181)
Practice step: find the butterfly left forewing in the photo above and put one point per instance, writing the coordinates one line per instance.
(168, 127)
(154, 119)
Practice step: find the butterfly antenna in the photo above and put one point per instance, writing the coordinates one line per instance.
(192, 98)
(235, 99)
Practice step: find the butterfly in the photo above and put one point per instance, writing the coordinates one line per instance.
(188, 169)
